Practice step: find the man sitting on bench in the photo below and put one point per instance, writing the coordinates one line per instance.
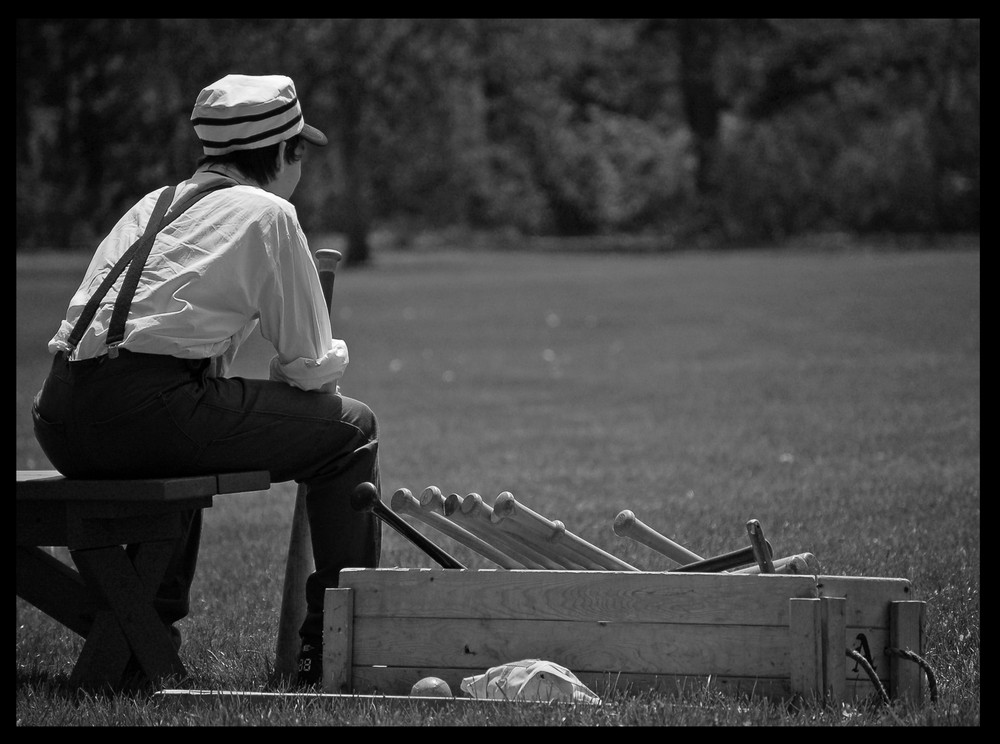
(138, 385)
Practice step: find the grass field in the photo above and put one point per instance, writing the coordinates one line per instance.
(833, 396)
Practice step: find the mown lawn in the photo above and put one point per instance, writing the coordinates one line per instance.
(833, 396)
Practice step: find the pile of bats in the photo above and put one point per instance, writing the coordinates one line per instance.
(513, 536)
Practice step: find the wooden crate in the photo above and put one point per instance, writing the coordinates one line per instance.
(774, 635)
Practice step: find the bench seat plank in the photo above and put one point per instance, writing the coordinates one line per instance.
(50, 485)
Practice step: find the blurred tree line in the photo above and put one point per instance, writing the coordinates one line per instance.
(737, 129)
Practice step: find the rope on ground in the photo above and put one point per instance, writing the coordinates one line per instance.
(907, 654)
(860, 659)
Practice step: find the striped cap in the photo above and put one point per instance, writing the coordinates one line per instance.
(244, 112)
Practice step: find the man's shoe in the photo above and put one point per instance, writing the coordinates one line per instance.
(310, 669)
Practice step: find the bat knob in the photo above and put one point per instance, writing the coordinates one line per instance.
(327, 259)
(452, 504)
(471, 503)
(624, 522)
(365, 497)
(504, 506)
(431, 497)
(402, 499)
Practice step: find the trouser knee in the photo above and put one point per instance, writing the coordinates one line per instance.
(359, 415)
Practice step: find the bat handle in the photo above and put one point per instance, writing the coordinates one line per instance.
(327, 260)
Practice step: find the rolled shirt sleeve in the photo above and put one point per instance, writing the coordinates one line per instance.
(294, 315)
(313, 374)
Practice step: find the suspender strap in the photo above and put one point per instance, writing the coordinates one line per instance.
(90, 309)
(135, 258)
(116, 329)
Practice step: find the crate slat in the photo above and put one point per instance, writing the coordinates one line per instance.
(591, 646)
(575, 595)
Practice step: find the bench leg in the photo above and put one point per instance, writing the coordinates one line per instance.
(54, 588)
(130, 626)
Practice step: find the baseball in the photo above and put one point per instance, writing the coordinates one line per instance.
(431, 687)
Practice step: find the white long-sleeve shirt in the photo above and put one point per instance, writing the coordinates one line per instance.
(235, 258)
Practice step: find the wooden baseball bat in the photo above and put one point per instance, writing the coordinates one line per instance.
(480, 514)
(550, 548)
(366, 498)
(535, 529)
(628, 525)
(560, 549)
(560, 545)
(537, 546)
(802, 564)
(482, 529)
(720, 563)
(433, 500)
(516, 516)
(476, 515)
(546, 544)
(299, 562)
(404, 502)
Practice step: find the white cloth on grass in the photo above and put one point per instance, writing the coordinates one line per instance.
(530, 680)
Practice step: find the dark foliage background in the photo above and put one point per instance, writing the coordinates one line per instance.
(730, 130)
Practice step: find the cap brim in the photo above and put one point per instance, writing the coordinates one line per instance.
(313, 136)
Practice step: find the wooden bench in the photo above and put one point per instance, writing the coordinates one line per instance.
(778, 636)
(109, 598)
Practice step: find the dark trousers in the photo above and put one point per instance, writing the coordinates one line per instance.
(147, 416)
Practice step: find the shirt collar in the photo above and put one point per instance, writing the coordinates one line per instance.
(224, 170)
